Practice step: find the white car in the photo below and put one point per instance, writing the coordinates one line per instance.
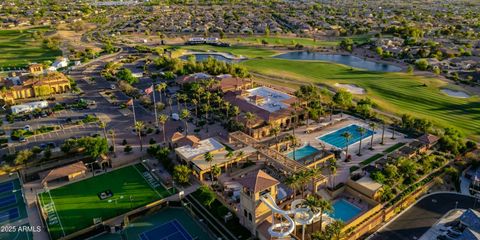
(27, 128)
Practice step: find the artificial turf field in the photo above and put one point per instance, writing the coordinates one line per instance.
(76, 205)
(18, 48)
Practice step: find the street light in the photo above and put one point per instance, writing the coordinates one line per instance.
(456, 204)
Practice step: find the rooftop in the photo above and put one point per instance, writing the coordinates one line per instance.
(273, 100)
(258, 181)
(192, 151)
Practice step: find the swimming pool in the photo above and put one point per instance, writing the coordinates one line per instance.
(302, 152)
(343, 210)
(335, 138)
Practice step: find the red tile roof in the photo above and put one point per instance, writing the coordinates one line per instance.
(258, 181)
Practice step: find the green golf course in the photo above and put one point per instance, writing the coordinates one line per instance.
(393, 92)
(18, 48)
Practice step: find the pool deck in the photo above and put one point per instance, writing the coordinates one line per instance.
(343, 168)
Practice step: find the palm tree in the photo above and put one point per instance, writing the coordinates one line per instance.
(229, 156)
(313, 202)
(160, 87)
(383, 132)
(162, 119)
(139, 125)
(112, 133)
(170, 104)
(249, 117)
(236, 112)
(293, 114)
(362, 131)
(347, 136)
(275, 129)
(216, 172)
(333, 172)
(372, 126)
(184, 115)
(292, 182)
(325, 206)
(394, 124)
(195, 103)
(334, 230)
(227, 107)
(314, 174)
(208, 157)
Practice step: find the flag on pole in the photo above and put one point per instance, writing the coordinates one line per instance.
(149, 90)
(130, 102)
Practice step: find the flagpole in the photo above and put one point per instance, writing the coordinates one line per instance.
(155, 105)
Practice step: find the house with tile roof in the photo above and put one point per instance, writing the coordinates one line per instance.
(253, 212)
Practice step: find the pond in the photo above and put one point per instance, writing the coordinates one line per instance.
(204, 56)
(454, 93)
(342, 59)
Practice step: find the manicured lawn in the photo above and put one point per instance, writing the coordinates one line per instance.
(18, 48)
(245, 51)
(371, 159)
(393, 92)
(77, 204)
(393, 148)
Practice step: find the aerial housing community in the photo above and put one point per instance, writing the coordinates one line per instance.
(212, 120)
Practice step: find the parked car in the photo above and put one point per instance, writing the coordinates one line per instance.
(22, 139)
(27, 128)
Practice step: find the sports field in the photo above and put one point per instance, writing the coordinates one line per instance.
(394, 92)
(18, 48)
(75, 206)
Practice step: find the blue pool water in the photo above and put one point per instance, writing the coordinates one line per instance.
(343, 210)
(336, 139)
(302, 152)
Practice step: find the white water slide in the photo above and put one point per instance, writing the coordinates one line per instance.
(297, 215)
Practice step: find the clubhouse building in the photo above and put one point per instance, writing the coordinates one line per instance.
(35, 83)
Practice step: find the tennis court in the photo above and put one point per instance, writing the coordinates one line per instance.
(172, 230)
(6, 187)
(78, 205)
(12, 208)
(153, 227)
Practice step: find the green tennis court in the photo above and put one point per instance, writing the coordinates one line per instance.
(78, 205)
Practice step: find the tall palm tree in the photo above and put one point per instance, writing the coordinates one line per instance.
(372, 126)
(313, 203)
(393, 125)
(347, 136)
(275, 129)
(314, 174)
(139, 125)
(227, 107)
(294, 115)
(170, 104)
(195, 103)
(235, 112)
(362, 131)
(162, 119)
(325, 206)
(292, 182)
(184, 115)
(208, 157)
(112, 133)
(160, 87)
(216, 171)
(333, 172)
(383, 132)
(249, 117)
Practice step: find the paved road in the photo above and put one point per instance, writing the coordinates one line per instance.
(413, 223)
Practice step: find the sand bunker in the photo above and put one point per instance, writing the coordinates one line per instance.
(351, 88)
(454, 93)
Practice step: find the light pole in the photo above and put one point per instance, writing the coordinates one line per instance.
(456, 204)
